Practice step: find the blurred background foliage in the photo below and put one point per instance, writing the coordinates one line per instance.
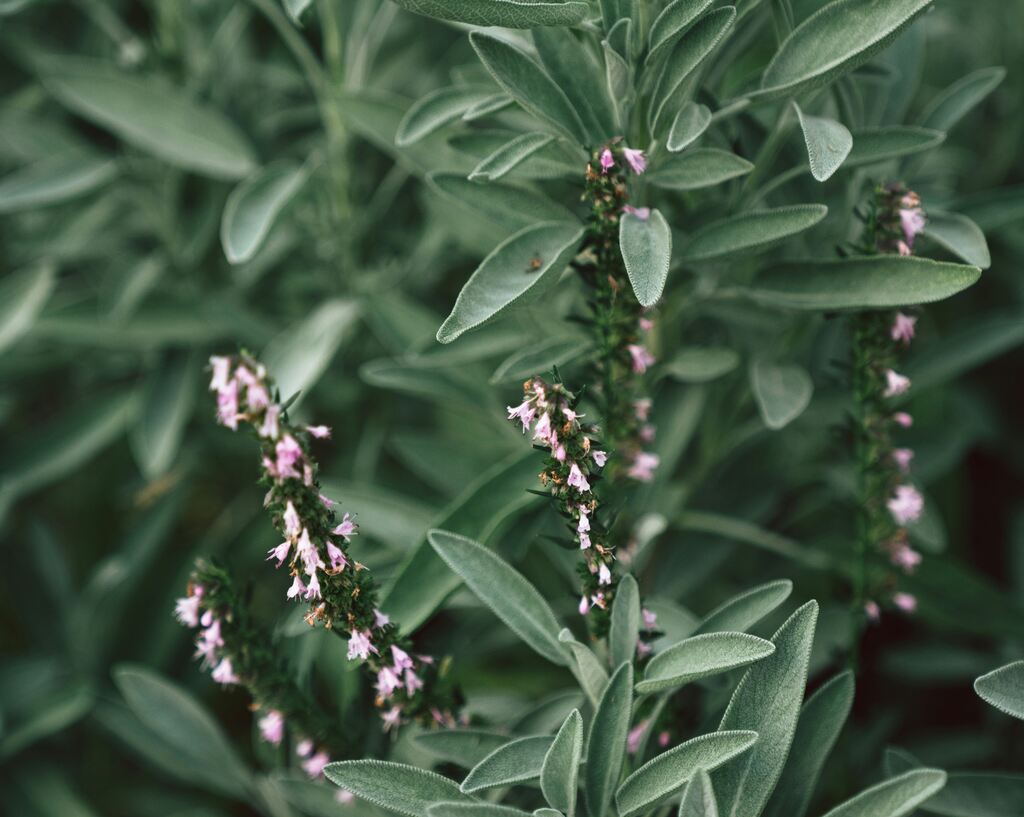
(125, 129)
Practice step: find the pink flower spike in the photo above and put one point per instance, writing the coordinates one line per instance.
(872, 610)
(577, 480)
(599, 457)
(221, 372)
(319, 432)
(642, 213)
(650, 619)
(912, 221)
(643, 467)
(906, 505)
(256, 397)
(401, 658)
(346, 529)
(314, 766)
(895, 384)
(337, 557)
(903, 328)
(227, 406)
(224, 673)
(289, 452)
(524, 412)
(271, 426)
(901, 418)
(296, 588)
(906, 558)
(905, 602)
(607, 160)
(641, 357)
(902, 458)
(272, 727)
(292, 523)
(280, 553)
(186, 610)
(359, 645)
(387, 682)
(380, 619)
(635, 159)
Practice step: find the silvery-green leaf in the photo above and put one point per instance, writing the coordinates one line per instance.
(894, 797)
(690, 51)
(524, 265)
(834, 40)
(474, 810)
(701, 364)
(254, 205)
(508, 205)
(782, 391)
(465, 747)
(1004, 689)
(539, 357)
(697, 168)
(699, 657)
(153, 117)
(529, 84)
(518, 761)
(167, 398)
(586, 667)
(751, 232)
(782, 18)
(296, 8)
(951, 105)
(393, 786)
(505, 13)
(606, 744)
(821, 720)
(578, 73)
(876, 282)
(559, 774)
(665, 775)
(437, 109)
(828, 143)
(485, 107)
(699, 797)
(625, 624)
(53, 180)
(672, 23)
(767, 700)
(691, 121)
(509, 156)
(618, 80)
(23, 294)
(972, 343)
(960, 236)
(874, 145)
(502, 588)
(646, 245)
(742, 612)
(547, 812)
(966, 794)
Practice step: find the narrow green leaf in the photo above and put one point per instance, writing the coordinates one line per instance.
(828, 143)
(742, 612)
(253, 207)
(559, 774)
(701, 364)
(699, 797)
(437, 109)
(296, 8)
(606, 744)
(524, 266)
(691, 121)
(751, 232)
(529, 84)
(576, 70)
(393, 786)
(894, 797)
(767, 700)
(646, 245)
(505, 13)
(1003, 688)
(502, 588)
(507, 205)
(834, 40)
(698, 168)
(674, 21)
(966, 794)
(665, 775)
(877, 282)
(875, 145)
(509, 156)
(474, 810)
(23, 294)
(167, 399)
(625, 624)
(518, 761)
(488, 106)
(960, 236)
(701, 656)
(971, 344)
(586, 667)
(782, 391)
(539, 357)
(951, 105)
(53, 180)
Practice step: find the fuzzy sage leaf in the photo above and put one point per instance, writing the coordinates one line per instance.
(646, 245)
(505, 13)
(699, 657)
(699, 797)
(516, 762)
(393, 786)
(606, 744)
(560, 771)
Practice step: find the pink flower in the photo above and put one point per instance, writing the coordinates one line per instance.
(872, 610)
(345, 798)
(584, 541)
(304, 748)
(642, 213)
(309, 554)
(903, 249)
(903, 327)
(346, 529)
(635, 159)
(320, 432)
(642, 408)
(895, 384)
(524, 412)
(289, 452)
(337, 557)
(905, 601)
(224, 673)
(314, 766)
(650, 619)
(221, 372)
(643, 649)
(296, 588)
(604, 575)
(636, 736)
(313, 589)
(256, 397)
(607, 160)
(272, 727)
(646, 324)
(902, 458)
(292, 523)
(906, 558)
(380, 619)
(387, 682)
(326, 501)
(186, 610)
(901, 418)
(280, 552)
(647, 433)
(600, 458)
(558, 452)
(912, 221)
(583, 525)
(643, 466)
(906, 505)
(412, 682)
(392, 718)
(227, 405)
(401, 658)
(641, 357)
(209, 640)
(543, 431)
(663, 738)
(359, 645)
(577, 480)
(271, 426)
(584, 606)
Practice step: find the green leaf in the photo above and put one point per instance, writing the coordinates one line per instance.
(699, 797)
(966, 794)
(302, 353)
(437, 109)
(699, 657)
(742, 612)
(253, 207)
(672, 23)
(951, 105)
(528, 84)
(894, 797)
(892, 142)
(518, 761)
(625, 624)
(505, 13)
(160, 120)
(828, 143)
(53, 180)
(782, 391)
(690, 51)
(875, 282)
(691, 121)
(393, 786)
(465, 747)
(296, 8)
(767, 700)
(701, 364)
(539, 357)
(586, 667)
(1003, 688)
(646, 245)
(23, 295)
(508, 205)
(166, 404)
(576, 70)
(502, 588)
(960, 236)
(560, 771)
(701, 167)
(510, 275)
(821, 720)
(473, 810)
(182, 723)
(751, 232)
(833, 41)
(971, 344)
(666, 774)
(509, 156)
(606, 744)
(52, 712)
